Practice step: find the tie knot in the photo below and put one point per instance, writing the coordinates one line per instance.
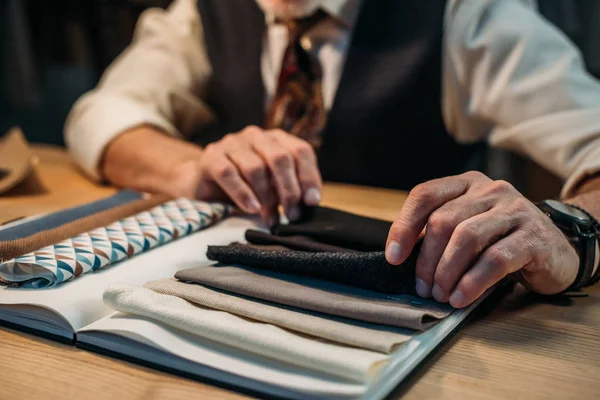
(298, 27)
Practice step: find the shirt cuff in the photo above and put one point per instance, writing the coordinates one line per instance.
(89, 130)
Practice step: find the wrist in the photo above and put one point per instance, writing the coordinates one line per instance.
(148, 160)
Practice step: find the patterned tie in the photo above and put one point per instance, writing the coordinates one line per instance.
(297, 106)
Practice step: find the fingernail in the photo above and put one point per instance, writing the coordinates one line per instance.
(457, 299)
(423, 289)
(438, 293)
(253, 206)
(393, 252)
(293, 213)
(312, 197)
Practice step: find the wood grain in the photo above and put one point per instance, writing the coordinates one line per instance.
(527, 347)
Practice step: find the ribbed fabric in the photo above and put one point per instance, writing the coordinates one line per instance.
(366, 270)
(256, 337)
(321, 296)
(62, 217)
(14, 248)
(353, 333)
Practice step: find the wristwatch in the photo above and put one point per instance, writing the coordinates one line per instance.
(581, 229)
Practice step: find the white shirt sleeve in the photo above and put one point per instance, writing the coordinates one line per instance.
(158, 80)
(513, 78)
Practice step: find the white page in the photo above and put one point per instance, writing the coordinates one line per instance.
(80, 301)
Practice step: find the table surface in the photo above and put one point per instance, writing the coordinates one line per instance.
(525, 347)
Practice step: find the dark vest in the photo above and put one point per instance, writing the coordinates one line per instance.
(385, 127)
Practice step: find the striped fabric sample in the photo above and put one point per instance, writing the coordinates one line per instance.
(89, 251)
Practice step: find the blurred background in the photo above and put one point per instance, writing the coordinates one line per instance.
(52, 51)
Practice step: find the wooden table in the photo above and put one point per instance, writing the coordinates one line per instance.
(527, 347)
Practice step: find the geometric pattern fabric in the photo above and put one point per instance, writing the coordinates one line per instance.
(90, 251)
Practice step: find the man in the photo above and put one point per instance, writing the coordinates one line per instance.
(385, 93)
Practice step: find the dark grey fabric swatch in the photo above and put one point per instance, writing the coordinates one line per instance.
(367, 270)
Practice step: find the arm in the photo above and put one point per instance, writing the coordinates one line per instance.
(513, 78)
(156, 83)
(129, 130)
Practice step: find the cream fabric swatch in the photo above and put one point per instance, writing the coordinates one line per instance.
(359, 334)
(259, 338)
(322, 296)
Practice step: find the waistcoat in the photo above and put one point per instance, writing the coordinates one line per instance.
(385, 127)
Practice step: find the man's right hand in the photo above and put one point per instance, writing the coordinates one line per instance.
(255, 169)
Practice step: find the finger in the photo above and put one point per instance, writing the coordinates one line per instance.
(283, 169)
(441, 225)
(226, 175)
(468, 241)
(421, 202)
(255, 173)
(504, 257)
(306, 166)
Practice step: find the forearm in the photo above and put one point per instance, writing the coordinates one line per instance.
(168, 48)
(147, 160)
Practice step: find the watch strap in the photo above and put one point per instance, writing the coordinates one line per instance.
(587, 252)
(593, 278)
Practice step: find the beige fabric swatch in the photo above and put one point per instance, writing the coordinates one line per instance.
(316, 295)
(363, 335)
(255, 337)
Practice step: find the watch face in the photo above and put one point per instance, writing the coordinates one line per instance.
(568, 211)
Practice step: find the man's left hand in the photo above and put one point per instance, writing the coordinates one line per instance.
(476, 232)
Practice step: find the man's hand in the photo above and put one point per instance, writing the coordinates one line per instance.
(257, 170)
(476, 232)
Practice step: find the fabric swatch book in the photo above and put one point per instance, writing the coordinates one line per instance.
(143, 289)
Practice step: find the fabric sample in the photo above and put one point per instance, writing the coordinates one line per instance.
(338, 228)
(54, 220)
(317, 295)
(302, 243)
(256, 337)
(17, 247)
(366, 270)
(54, 264)
(344, 331)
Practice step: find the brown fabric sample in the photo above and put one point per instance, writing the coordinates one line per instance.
(367, 270)
(13, 248)
(354, 333)
(302, 243)
(321, 296)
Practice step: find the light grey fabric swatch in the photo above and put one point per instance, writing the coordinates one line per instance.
(322, 296)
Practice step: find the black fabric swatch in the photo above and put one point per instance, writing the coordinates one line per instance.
(303, 243)
(338, 228)
(366, 270)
